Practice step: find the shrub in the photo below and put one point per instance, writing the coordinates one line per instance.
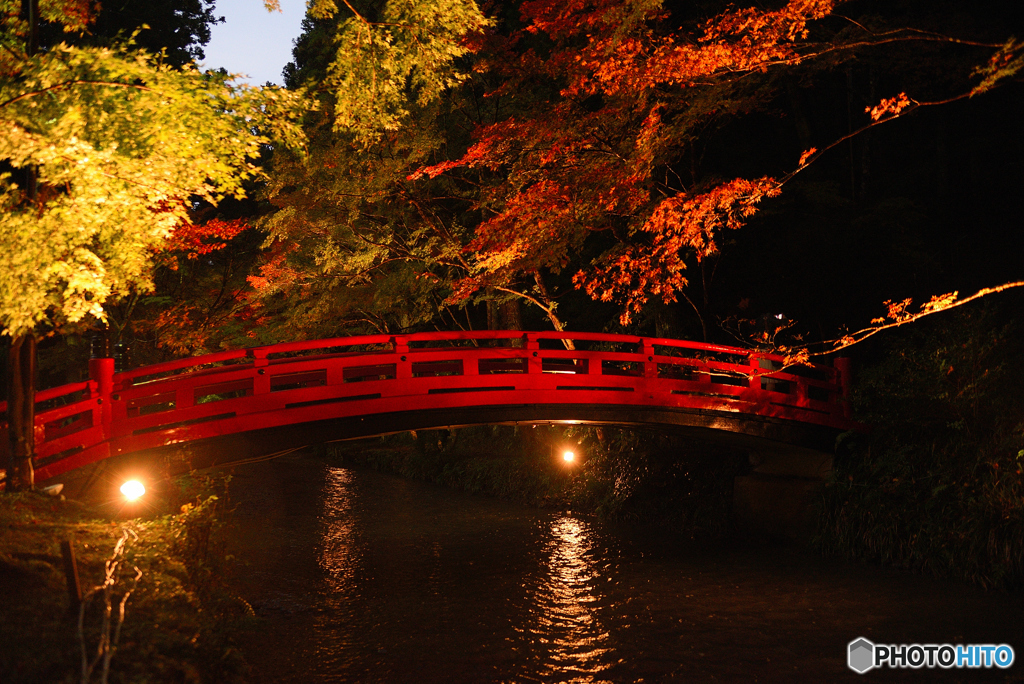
(937, 487)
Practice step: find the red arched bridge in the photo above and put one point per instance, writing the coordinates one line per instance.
(265, 399)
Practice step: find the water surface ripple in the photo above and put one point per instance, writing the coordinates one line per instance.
(361, 577)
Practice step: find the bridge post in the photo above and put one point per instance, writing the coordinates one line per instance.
(843, 368)
(801, 392)
(650, 368)
(403, 368)
(534, 364)
(101, 371)
(754, 378)
(184, 397)
(261, 382)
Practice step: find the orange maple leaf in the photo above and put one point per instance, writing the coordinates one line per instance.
(889, 107)
(805, 156)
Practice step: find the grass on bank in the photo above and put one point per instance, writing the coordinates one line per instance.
(179, 622)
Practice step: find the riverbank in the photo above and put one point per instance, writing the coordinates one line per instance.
(180, 622)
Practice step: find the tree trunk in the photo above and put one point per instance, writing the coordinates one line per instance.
(21, 414)
(511, 317)
(492, 310)
(31, 8)
(549, 308)
(21, 360)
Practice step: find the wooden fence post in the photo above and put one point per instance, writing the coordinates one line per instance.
(71, 575)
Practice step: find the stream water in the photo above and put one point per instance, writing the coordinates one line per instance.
(358, 576)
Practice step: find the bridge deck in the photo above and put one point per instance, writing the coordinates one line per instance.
(320, 390)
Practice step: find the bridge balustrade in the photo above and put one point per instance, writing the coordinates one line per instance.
(299, 382)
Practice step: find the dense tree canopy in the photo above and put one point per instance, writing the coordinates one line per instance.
(593, 160)
(177, 29)
(614, 144)
(612, 148)
(118, 146)
(351, 238)
(104, 152)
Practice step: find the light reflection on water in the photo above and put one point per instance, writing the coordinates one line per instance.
(339, 555)
(360, 577)
(561, 627)
(567, 622)
(339, 559)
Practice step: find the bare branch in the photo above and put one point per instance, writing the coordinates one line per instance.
(849, 340)
(549, 310)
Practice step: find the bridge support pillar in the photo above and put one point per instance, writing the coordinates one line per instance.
(101, 370)
(777, 498)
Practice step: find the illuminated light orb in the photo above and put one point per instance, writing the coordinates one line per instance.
(569, 457)
(132, 490)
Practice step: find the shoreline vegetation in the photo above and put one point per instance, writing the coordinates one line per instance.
(938, 486)
(180, 620)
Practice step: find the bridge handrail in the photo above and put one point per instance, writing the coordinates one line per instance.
(52, 393)
(251, 354)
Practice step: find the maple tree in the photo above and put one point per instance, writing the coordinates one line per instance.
(104, 150)
(569, 159)
(604, 148)
(353, 245)
(356, 244)
(199, 297)
(202, 306)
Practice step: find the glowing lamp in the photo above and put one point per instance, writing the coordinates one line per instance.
(132, 490)
(569, 457)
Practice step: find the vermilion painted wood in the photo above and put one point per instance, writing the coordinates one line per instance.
(298, 382)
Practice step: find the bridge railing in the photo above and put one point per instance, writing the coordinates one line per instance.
(188, 398)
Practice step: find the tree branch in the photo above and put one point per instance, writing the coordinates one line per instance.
(937, 304)
(76, 82)
(549, 310)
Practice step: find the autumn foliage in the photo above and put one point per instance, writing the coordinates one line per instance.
(565, 161)
(594, 154)
(193, 240)
(610, 101)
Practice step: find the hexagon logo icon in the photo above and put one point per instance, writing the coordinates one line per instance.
(860, 655)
